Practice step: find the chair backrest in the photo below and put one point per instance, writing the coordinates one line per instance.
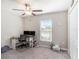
(22, 38)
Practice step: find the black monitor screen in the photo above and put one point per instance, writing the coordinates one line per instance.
(29, 32)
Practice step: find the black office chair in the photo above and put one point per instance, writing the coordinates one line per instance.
(22, 42)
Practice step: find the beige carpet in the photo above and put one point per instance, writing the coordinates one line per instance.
(34, 53)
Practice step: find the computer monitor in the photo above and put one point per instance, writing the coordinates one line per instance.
(29, 33)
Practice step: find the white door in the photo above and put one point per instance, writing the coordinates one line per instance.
(73, 32)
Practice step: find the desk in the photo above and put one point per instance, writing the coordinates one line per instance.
(29, 39)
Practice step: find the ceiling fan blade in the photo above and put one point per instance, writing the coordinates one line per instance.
(33, 14)
(37, 10)
(18, 9)
(27, 4)
(23, 14)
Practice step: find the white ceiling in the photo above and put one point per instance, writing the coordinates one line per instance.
(48, 5)
(51, 5)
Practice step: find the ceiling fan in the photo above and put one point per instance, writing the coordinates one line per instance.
(28, 10)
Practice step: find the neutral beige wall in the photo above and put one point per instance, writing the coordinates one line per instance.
(11, 23)
(59, 20)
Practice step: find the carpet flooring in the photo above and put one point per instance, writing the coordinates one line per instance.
(34, 53)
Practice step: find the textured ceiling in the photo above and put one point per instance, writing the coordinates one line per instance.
(49, 5)
(46, 5)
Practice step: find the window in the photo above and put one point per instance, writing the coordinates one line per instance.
(46, 30)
